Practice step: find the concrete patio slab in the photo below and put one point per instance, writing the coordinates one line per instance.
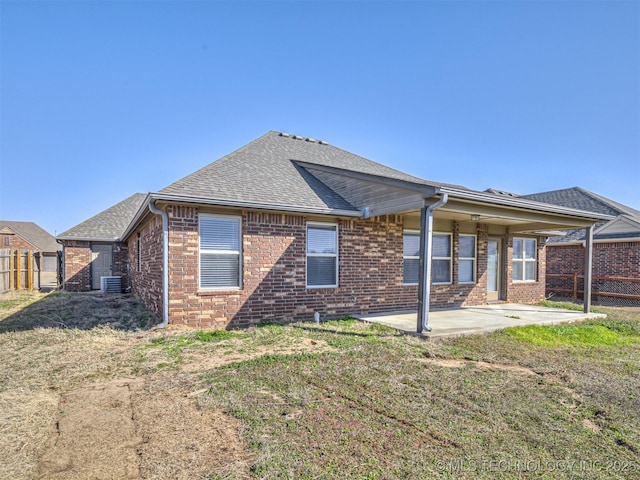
(484, 318)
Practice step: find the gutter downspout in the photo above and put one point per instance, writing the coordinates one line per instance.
(424, 280)
(165, 264)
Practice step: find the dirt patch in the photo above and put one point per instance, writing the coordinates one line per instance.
(201, 441)
(95, 436)
(455, 363)
(203, 360)
(127, 428)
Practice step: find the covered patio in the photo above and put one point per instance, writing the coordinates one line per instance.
(478, 319)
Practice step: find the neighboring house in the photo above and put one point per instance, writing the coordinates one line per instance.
(30, 236)
(288, 226)
(93, 248)
(616, 246)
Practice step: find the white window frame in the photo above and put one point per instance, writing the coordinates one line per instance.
(218, 252)
(449, 258)
(472, 259)
(525, 260)
(307, 255)
(409, 257)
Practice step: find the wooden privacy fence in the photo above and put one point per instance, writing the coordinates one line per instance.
(19, 270)
(617, 291)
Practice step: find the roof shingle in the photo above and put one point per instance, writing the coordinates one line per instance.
(108, 224)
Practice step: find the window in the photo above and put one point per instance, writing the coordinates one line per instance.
(524, 260)
(322, 255)
(220, 259)
(411, 257)
(138, 254)
(7, 242)
(441, 258)
(466, 259)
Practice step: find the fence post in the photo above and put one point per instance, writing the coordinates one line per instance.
(18, 264)
(575, 286)
(12, 281)
(29, 259)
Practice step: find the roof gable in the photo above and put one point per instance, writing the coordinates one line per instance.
(109, 224)
(32, 233)
(266, 171)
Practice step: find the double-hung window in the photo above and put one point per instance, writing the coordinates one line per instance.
(411, 257)
(322, 255)
(220, 254)
(466, 259)
(441, 258)
(525, 263)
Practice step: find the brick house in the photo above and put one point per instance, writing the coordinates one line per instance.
(30, 236)
(287, 226)
(616, 244)
(93, 248)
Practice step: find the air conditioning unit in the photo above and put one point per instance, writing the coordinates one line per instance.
(111, 284)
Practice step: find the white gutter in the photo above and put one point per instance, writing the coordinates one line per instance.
(165, 264)
(424, 280)
(257, 205)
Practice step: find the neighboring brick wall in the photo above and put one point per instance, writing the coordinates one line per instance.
(620, 259)
(146, 282)
(77, 266)
(526, 292)
(16, 242)
(613, 259)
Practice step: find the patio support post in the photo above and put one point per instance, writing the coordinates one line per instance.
(588, 267)
(424, 277)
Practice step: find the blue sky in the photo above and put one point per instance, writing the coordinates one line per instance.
(103, 99)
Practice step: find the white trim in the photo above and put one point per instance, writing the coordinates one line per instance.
(307, 255)
(474, 259)
(524, 260)
(450, 258)
(224, 252)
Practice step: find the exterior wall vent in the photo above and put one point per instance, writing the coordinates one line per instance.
(111, 284)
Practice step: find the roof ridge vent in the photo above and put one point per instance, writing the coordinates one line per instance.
(306, 139)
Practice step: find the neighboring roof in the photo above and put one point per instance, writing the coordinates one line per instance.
(579, 198)
(32, 233)
(109, 224)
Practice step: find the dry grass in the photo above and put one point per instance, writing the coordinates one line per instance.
(336, 400)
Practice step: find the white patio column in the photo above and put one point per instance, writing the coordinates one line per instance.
(424, 277)
(588, 267)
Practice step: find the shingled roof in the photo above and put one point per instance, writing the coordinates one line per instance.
(32, 233)
(109, 224)
(266, 171)
(579, 198)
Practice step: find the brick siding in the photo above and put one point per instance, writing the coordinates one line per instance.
(16, 242)
(526, 292)
(77, 266)
(274, 272)
(612, 259)
(146, 275)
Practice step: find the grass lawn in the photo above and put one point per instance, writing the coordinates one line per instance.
(341, 399)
